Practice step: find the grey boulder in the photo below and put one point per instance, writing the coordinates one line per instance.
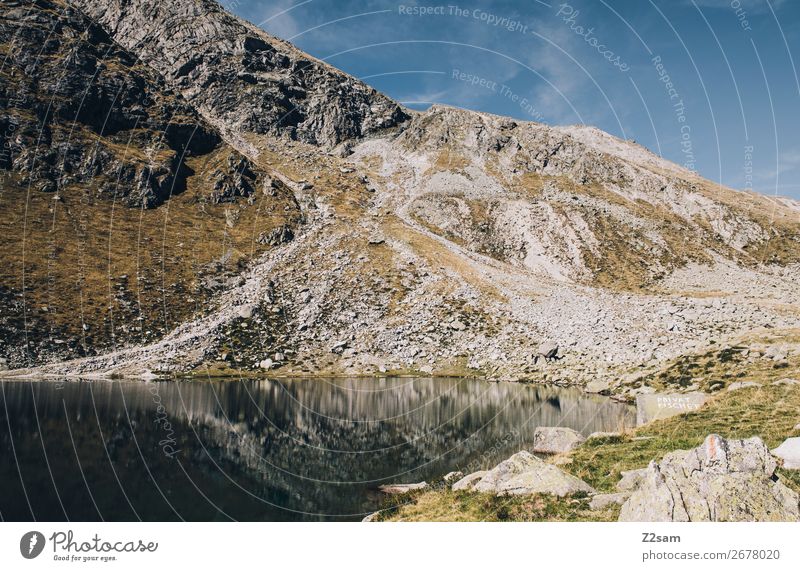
(631, 480)
(396, 489)
(555, 440)
(549, 351)
(246, 311)
(525, 474)
(602, 501)
(598, 386)
(453, 477)
(741, 385)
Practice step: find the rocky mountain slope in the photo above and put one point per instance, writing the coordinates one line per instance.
(573, 204)
(443, 242)
(96, 149)
(241, 79)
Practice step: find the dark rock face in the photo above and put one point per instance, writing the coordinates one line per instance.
(77, 109)
(241, 78)
(86, 127)
(277, 236)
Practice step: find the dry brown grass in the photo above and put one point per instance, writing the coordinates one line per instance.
(72, 254)
(437, 255)
(728, 364)
(448, 160)
(769, 412)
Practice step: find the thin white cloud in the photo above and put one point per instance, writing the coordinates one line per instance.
(571, 81)
(788, 162)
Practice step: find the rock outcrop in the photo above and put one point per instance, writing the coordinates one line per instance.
(603, 501)
(556, 200)
(92, 144)
(722, 480)
(741, 385)
(469, 481)
(448, 240)
(598, 386)
(241, 78)
(631, 480)
(397, 489)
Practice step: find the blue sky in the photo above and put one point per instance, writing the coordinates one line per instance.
(732, 99)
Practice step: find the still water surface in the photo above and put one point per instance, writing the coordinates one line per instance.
(259, 449)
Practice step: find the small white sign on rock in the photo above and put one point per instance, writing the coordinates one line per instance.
(657, 406)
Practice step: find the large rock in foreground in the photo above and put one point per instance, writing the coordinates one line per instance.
(721, 480)
(525, 474)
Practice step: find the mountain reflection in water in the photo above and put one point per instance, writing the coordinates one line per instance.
(260, 449)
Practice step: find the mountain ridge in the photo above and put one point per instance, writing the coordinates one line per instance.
(196, 43)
